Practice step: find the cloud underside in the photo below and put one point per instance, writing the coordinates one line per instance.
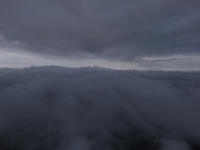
(54, 108)
(107, 29)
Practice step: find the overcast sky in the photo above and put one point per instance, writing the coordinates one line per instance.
(128, 34)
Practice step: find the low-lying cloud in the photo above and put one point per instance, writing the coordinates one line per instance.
(54, 108)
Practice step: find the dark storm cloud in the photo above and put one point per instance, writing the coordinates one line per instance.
(112, 29)
(54, 108)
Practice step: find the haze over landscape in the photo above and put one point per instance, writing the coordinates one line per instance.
(99, 75)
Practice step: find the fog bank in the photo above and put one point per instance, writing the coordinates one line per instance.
(91, 108)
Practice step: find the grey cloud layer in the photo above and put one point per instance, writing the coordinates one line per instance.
(53, 108)
(109, 29)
